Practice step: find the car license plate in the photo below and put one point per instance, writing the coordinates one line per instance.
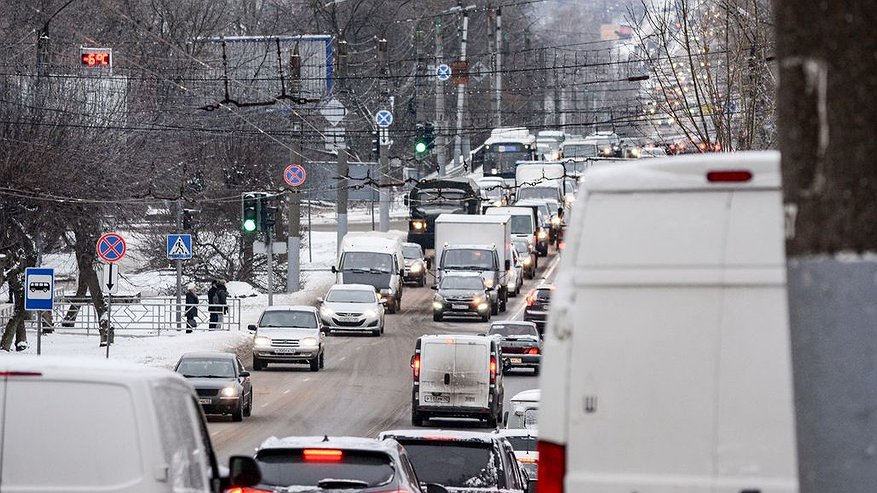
(437, 399)
(348, 319)
(204, 401)
(460, 307)
(516, 360)
(284, 350)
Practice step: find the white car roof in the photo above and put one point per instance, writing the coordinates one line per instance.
(456, 337)
(291, 308)
(353, 287)
(438, 434)
(461, 273)
(472, 219)
(518, 432)
(322, 442)
(85, 369)
(472, 246)
(527, 395)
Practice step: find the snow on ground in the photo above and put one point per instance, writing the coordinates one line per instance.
(165, 350)
(358, 215)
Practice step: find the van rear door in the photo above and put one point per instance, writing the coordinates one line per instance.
(436, 372)
(471, 379)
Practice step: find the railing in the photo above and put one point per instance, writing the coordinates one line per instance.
(135, 316)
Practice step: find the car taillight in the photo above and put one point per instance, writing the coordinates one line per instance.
(730, 176)
(552, 467)
(531, 298)
(322, 455)
(246, 490)
(20, 374)
(533, 350)
(493, 369)
(415, 366)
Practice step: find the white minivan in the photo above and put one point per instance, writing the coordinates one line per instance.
(457, 376)
(666, 362)
(82, 425)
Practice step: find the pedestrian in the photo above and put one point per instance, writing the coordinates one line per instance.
(221, 300)
(191, 308)
(212, 306)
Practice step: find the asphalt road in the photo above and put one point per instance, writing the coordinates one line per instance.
(365, 387)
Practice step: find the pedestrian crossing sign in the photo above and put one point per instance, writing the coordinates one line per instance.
(179, 247)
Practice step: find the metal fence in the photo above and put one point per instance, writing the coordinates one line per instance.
(132, 315)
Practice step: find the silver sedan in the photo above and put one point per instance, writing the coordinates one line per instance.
(352, 307)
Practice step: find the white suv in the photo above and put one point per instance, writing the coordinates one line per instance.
(288, 334)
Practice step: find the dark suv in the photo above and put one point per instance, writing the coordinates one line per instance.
(538, 302)
(463, 461)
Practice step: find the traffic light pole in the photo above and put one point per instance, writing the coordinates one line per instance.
(341, 168)
(440, 124)
(384, 163)
(269, 249)
(179, 266)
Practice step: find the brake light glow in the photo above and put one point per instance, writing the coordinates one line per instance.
(415, 365)
(527, 460)
(533, 350)
(246, 490)
(20, 374)
(322, 455)
(493, 369)
(730, 176)
(442, 438)
(552, 467)
(531, 298)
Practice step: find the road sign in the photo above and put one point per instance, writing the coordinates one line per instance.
(333, 112)
(479, 71)
(460, 69)
(179, 247)
(384, 118)
(111, 247)
(295, 175)
(443, 72)
(110, 279)
(39, 289)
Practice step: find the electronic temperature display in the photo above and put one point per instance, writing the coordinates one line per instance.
(96, 58)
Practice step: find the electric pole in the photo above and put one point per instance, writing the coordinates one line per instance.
(441, 127)
(826, 134)
(341, 167)
(384, 161)
(461, 86)
(497, 71)
(293, 240)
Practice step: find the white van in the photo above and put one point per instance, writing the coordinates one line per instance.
(666, 362)
(80, 425)
(376, 259)
(524, 410)
(457, 376)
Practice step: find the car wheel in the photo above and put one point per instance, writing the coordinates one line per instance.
(315, 363)
(422, 282)
(398, 307)
(436, 317)
(375, 333)
(485, 317)
(238, 414)
(494, 308)
(248, 410)
(322, 360)
(536, 371)
(382, 326)
(258, 365)
(417, 418)
(503, 303)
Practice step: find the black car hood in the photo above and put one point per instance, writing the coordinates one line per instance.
(460, 293)
(212, 383)
(379, 281)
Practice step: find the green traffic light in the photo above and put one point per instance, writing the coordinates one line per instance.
(420, 147)
(249, 225)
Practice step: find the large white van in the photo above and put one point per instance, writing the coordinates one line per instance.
(666, 362)
(457, 376)
(376, 259)
(78, 425)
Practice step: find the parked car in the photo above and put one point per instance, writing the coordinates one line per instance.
(416, 266)
(520, 343)
(319, 464)
(527, 257)
(461, 293)
(352, 307)
(457, 376)
(524, 442)
(222, 383)
(288, 334)
(78, 424)
(463, 461)
(538, 303)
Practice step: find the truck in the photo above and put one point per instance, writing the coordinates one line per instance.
(477, 243)
(430, 198)
(375, 259)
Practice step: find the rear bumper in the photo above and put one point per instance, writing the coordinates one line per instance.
(456, 412)
(526, 360)
(539, 318)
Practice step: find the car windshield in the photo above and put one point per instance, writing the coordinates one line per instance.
(367, 262)
(523, 444)
(460, 282)
(453, 464)
(537, 193)
(523, 246)
(411, 252)
(351, 296)
(580, 150)
(302, 320)
(468, 258)
(285, 468)
(522, 225)
(510, 330)
(206, 368)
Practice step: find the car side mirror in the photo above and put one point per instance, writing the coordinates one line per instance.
(508, 264)
(505, 417)
(531, 485)
(244, 374)
(434, 288)
(243, 471)
(334, 270)
(435, 488)
(251, 327)
(429, 263)
(320, 300)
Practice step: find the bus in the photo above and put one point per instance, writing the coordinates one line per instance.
(432, 198)
(504, 148)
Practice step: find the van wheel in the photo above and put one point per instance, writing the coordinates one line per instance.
(248, 410)
(503, 303)
(417, 418)
(436, 317)
(258, 365)
(322, 360)
(238, 414)
(315, 364)
(494, 308)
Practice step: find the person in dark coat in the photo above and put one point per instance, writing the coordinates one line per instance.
(221, 302)
(212, 306)
(191, 309)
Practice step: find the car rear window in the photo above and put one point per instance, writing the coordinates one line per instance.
(523, 444)
(543, 295)
(292, 468)
(511, 330)
(453, 464)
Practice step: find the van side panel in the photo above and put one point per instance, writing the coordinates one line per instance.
(471, 375)
(91, 441)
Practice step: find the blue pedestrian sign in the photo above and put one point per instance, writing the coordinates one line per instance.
(384, 118)
(179, 247)
(39, 289)
(443, 72)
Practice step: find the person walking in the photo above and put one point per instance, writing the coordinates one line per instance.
(221, 300)
(191, 309)
(212, 306)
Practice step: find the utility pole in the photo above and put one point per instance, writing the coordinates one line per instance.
(384, 161)
(420, 101)
(179, 268)
(441, 127)
(293, 240)
(461, 87)
(497, 70)
(826, 135)
(341, 167)
(269, 250)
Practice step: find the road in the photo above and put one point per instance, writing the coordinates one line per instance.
(365, 387)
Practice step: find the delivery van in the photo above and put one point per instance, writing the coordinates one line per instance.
(666, 362)
(82, 425)
(376, 259)
(457, 376)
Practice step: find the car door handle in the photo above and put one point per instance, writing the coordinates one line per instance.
(447, 378)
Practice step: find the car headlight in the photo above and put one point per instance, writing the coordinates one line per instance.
(418, 225)
(528, 261)
(262, 341)
(477, 300)
(555, 221)
(416, 267)
(308, 342)
(370, 313)
(437, 305)
(326, 312)
(229, 392)
(387, 292)
(488, 283)
(482, 307)
(543, 234)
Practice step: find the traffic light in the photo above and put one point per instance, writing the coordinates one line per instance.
(376, 144)
(268, 214)
(250, 213)
(421, 146)
(189, 218)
